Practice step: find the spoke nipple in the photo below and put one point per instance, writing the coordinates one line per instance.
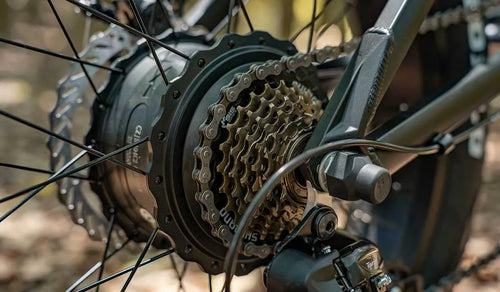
(201, 62)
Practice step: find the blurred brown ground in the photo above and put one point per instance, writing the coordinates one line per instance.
(42, 250)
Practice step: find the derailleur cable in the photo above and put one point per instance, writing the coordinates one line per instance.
(442, 145)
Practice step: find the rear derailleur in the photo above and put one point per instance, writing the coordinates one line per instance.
(317, 257)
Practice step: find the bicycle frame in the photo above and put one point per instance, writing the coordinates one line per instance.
(368, 76)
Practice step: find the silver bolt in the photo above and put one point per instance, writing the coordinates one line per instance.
(326, 249)
(383, 281)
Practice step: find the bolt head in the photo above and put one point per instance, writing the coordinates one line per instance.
(201, 62)
(158, 179)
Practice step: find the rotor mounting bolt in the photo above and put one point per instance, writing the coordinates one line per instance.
(201, 62)
(188, 249)
(231, 44)
(262, 40)
(161, 136)
(158, 179)
(176, 94)
(168, 219)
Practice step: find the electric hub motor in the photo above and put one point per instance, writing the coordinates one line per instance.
(230, 117)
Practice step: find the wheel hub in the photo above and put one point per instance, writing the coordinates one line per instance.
(212, 150)
(217, 132)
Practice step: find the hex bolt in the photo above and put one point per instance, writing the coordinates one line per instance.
(168, 219)
(383, 281)
(201, 62)
(352, 176)
(176, 94)
(158, 179)
(326, 250)
(161, 136)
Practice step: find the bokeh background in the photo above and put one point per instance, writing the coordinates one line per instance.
(42, 250)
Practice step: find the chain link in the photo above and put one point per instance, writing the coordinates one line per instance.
(458, 275)
(253, 125)
(452, 16)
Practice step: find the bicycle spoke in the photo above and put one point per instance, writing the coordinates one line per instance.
(27, 168)
(152, 20)
(220, 26)
(95, 267)
(183, 273)
(311, 29)
(296, 35)
(210, 282)
(336, 20)
(38, 189)
(57, 55)
(127, 28)
(139, 260)
(122, 272)
(180, 275)
(86, 30)
(75, 170)
(137, 15)
(245, 13)
(73, 48)
(167, 12)
(108, 241)
(229, 15)
(76, 144)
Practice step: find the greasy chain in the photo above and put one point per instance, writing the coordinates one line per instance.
(268, 124)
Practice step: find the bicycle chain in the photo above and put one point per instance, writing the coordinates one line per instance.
(444, 19)
(260, 135)
(458, 275)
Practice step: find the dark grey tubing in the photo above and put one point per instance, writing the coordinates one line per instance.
(478, 87)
